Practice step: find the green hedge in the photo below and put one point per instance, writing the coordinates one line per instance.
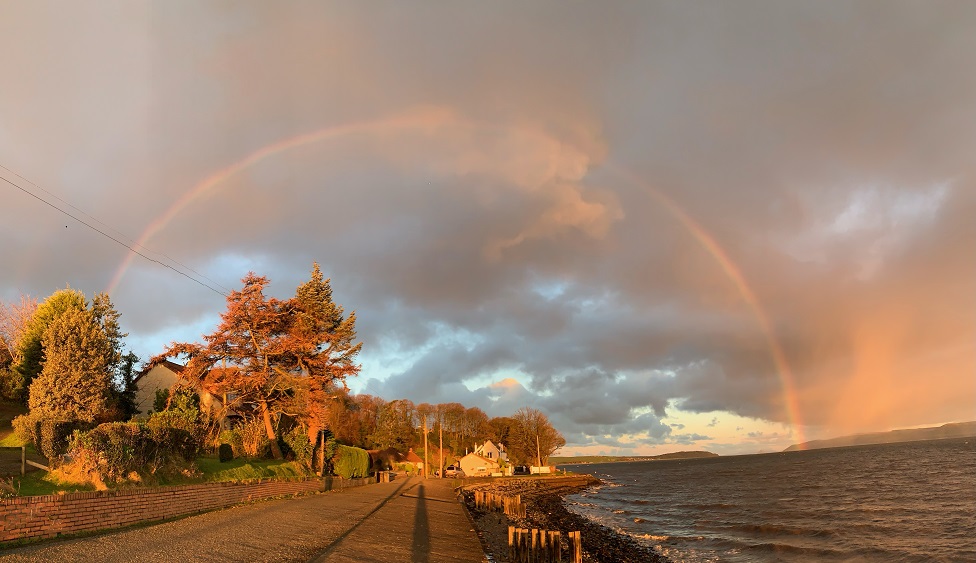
(350, 462)
(300, 447)
(50, 437)
(114, 451)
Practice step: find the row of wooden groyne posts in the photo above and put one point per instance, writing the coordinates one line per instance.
(529, 545)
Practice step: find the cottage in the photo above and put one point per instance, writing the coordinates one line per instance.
(497, 453)
(165, 375)
(414, 459)
(475, 465)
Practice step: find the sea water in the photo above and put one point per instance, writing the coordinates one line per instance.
(913, 501)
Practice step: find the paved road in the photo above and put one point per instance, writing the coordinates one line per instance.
(413, 521)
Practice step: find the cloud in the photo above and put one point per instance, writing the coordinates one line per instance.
(479, 188)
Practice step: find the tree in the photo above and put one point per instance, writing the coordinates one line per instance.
(394, 426)
(248, 341)
(321, 340)
(500, 428)
(275, 357)
(14, 318)
(123, 391)
(533, 438)
(75, 381)
(476, 427)
(108, 318)
(30, 352)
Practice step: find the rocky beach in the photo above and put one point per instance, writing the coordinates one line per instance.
(545, 509)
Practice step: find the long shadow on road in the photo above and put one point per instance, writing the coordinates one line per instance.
(421, 531)
(335, 543)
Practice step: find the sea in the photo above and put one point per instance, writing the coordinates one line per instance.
(911, 501)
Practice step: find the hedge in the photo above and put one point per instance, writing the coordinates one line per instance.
(50, 437)
(350, 462)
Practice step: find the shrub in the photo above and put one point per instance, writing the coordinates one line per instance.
(225, 453)
(351, 462)
(160, 400)
(297, 442)
(176, 432)
(407, 468)
(28, 429)
(50, 437)
(110, 451)
(233, 438)
(119, 451)
(254, 439)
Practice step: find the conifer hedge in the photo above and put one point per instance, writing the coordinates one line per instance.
(350, 462)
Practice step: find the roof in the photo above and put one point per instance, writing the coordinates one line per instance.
(412, 457)
(171, 366)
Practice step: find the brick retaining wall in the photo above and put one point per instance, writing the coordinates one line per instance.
(52, 515)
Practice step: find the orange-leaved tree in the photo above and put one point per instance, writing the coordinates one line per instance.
(270, 357)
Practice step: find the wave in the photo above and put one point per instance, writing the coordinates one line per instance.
(784, 530)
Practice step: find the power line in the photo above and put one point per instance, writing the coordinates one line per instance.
(123, 235)
(108, 236)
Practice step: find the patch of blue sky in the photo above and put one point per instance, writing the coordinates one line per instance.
(147, 345)
(550, 289)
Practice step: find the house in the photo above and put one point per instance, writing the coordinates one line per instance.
(491, 451)
(164, 375)
(414, 459)
(385, 460)
(475, 465)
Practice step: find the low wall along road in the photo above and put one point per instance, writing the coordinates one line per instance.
(50, 516)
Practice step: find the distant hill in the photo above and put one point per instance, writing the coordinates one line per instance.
(951, 430)
(617, 458)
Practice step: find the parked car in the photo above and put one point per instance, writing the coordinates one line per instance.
(520, 470)
(452, 471)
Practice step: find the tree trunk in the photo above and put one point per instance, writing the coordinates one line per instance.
(314, 427)
(538, 454)
(269, 428)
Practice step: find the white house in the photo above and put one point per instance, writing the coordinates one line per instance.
(496, 453)
(475, 465)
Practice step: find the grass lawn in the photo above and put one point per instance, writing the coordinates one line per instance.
(8, 412)
(41, 483)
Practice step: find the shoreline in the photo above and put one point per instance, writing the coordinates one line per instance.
(545, 509)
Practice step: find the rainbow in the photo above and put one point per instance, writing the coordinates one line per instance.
(429, 120)
(708, 242)
(432, 120)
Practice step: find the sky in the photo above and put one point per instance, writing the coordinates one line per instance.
(667, 225)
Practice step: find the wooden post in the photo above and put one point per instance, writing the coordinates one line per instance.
(440, 453)
(576, 547)
(543, 551)
(511, 543)
(23, 461)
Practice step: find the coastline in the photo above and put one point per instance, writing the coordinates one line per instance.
(545, 509)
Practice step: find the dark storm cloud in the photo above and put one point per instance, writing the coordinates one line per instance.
(499, 218)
